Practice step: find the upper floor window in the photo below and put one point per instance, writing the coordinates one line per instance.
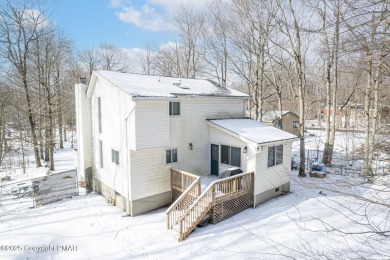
(275, 155)
(174, 108)
(115, 156)
(171, 156)
(99, 113)
(101, 153)
(295, 124)
(231, 155)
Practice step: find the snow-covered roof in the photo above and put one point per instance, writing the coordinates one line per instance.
(253, 130)
(270, 116)
(138, 85)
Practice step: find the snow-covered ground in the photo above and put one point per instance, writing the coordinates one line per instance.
(337, 217)
(63, 161)
(283, 227)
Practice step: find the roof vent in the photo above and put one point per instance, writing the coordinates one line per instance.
(178, 84)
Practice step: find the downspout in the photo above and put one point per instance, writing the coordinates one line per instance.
(244, 108)
(128, 161)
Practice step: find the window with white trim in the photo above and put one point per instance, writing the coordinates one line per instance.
(115, 156)
(171, 156)
(99, 113)
(231, 155)
(174, 108)
(275, 155)
(101, 153)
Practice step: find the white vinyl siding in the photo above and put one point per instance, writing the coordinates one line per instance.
(115, 107)
(149, 170)
(151, 124)
(150, 173)
(191, 127)
(268, 178)
(84, 130)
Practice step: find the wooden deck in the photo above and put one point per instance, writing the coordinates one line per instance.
(222, 199)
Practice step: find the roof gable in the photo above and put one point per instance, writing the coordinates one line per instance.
(272, 115)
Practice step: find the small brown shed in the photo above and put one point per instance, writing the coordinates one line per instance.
(290, 121)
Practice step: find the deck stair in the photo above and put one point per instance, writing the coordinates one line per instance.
(222, 198)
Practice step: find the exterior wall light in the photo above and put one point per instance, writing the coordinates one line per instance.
(245, 150)
(190, 146)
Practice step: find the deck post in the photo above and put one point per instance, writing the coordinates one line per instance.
(182, 181)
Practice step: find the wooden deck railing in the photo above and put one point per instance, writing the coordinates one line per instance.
(233, 185)
(196, 212)
(181, 181)
(233, 195)
(186, 187)
(237, 189)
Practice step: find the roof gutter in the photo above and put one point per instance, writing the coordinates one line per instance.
(181, 95)
(135, 98)
(281, 140)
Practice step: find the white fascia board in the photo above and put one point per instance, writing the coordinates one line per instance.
(91, 85)
(153, 98)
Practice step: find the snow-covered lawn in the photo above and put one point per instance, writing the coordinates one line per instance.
(63, 161)
(279, 228)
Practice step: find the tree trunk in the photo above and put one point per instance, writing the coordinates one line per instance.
(21, 138)
(335, 117)
(367, 104)
(31, 122)
(51, 137)
(60, 119)
(326, 159)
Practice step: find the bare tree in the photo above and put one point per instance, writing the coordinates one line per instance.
(146, 59)
(5, 97)
(112, 58)
(216, 40)
(251, 27)
(190, 25)
(291, 27)
(168, 60)
(330, 34)
(21, 25)
(371, 40)
(90, 60)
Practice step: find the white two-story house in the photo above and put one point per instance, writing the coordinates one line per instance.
(133, 128)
